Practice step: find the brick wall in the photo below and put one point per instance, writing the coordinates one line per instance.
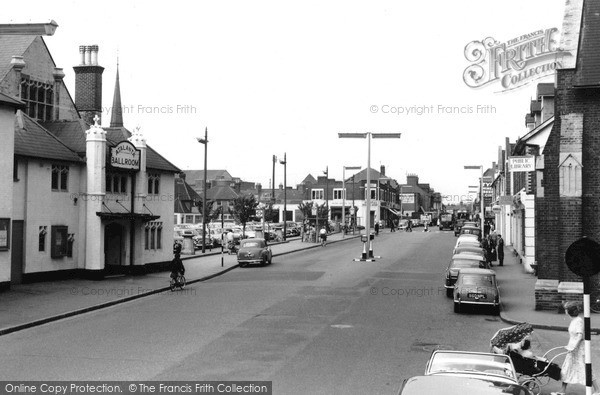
(88, 91)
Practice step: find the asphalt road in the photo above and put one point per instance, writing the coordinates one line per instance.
(313, 322)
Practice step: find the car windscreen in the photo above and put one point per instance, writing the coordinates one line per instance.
(488, 364)
(466, 263)
(471, 279)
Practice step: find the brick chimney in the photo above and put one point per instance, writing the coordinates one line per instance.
(88, 84)
(382, 170)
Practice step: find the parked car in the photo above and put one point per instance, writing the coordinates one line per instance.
(476, 287)
(458, 224)
(457, 385)
(254, 251)
(471, 230)
(469, 249)
(458, 262)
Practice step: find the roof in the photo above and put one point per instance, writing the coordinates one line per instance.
(11, 101)
(194, 175)
(221, 193)
(362, 175)
(71, 133)
(588, 58)
(545, 89)
(535, 106)
(32, 140)
(477, 271)
(11, 45)
(154, 160)
(309, 179)
(184, 193)
(522, 142)
(116, 116)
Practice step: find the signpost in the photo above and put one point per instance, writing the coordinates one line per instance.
(583, 259)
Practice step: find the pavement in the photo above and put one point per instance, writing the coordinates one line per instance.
(29, 305)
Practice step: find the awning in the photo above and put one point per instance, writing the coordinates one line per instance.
(395, 212)
(128, 216)
(421, 210)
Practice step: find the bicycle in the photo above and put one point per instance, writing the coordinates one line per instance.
(177, 282)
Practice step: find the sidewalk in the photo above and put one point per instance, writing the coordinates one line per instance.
(28, 305)
(517, 297)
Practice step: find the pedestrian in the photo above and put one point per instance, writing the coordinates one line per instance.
(377, 228)
(392, 226)
(573, 368)
(323, 236)
(486, 228)
(492, 248)
(500, 250)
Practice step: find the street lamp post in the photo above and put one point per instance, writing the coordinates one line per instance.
(284, 163)
(353, 208)
(482, 214)
(326, 172)
(205, 142)
(344, 195)
(368, 136)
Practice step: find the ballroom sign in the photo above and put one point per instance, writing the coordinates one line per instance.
(125, 156)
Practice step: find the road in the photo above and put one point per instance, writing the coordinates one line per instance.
(312, 322)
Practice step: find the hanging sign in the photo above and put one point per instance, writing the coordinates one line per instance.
(125, 156)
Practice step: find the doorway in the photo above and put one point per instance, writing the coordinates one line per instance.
(16, 260)
(113, 246)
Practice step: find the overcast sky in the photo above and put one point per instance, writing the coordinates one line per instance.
(268, 77)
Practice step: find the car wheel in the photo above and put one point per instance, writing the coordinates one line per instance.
(243, 264)
(456, 307)
(449, 292)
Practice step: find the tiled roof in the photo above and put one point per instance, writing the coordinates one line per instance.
(184, 196)
(588, 58)
(309, 179)
(362, 175)
(154, 160)
(11, 101)
(221, 193)
(71, 133)
(194, 175)
(32, 140)
(11, 45)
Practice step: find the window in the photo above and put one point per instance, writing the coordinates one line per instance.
(59, 241)
(317, 194)
(338, 194)
(153, 183)
(146, 238)
(159, 237)
(116, 182)
(373, 193)
(152, 237)
(42, 238)
(15, 170)
(60, 177)
(38, 96)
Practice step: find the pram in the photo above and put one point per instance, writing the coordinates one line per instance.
(533, 373)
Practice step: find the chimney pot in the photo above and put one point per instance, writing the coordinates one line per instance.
(82, 55)
(88, 55)
(94, 55)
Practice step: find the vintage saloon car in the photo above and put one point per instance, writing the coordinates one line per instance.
(459, 262)
(469, 249)
(463, 372)
(476, 287)
(254, 251)
(471, 230)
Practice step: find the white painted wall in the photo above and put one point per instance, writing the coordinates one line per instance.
(7, 148)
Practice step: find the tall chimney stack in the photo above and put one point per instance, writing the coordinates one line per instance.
(88, 84)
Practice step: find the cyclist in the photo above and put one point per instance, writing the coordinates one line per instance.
(177, 267)
(323, 236)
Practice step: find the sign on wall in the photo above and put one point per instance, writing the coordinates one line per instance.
(521, 163)
(125, 156)
(4, 234)
(407, 198)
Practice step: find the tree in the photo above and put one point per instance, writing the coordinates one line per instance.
(270, 214)
(244, 208)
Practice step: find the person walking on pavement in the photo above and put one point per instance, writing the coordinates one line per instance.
(573, 368)
(500, 250)
(323, 236)
(377, 228)
(485, 243)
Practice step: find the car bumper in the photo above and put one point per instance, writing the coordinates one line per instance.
(258, 260)
(477, 302)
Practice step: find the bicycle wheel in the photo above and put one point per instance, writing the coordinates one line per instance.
(532, 385)
(181, 281)
(595, 301)
(172, 284)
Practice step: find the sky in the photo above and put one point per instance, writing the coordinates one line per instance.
(274, 77)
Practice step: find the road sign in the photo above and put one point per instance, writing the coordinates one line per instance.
(583, 257)
(259, 212)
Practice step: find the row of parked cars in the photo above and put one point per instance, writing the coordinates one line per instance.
(469, 279)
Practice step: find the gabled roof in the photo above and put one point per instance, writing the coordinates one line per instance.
(309, 179)
(184, 194)
(545, 89)
(362, 175)
(154, 160)
(32, 140)
(194, 175)
(221, 193)
(522, 142)
(11, 45)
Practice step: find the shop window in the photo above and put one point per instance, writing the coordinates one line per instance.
(60, 177)
(42, 238)
(59, 240)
